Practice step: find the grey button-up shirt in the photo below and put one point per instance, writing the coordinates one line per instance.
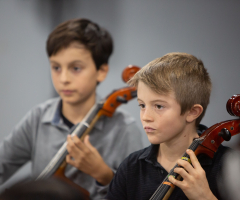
(40, 134)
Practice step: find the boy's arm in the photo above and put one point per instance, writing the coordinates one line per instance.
(15, 149)
(194, 183)
(118, 187)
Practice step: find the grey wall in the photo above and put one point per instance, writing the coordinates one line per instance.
(142, 31)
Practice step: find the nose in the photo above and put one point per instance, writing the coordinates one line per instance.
(146, 115)
(64, 77)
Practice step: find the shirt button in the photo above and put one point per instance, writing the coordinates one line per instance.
(161, 171)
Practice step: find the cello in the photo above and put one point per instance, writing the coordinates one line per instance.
(106, 107)
(207, 143)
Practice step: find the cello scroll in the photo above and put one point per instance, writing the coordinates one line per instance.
(129, 72)
(233, 105)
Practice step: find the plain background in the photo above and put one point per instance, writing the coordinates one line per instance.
(142, 31)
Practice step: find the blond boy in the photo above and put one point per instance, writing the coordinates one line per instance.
(173, 94)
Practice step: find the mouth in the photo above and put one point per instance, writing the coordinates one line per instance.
(149, 129)
(67, 92)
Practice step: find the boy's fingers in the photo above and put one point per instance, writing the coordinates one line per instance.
(70, 143)
(72, 149)
(182, 172)
(174, 181)
(68, 159)
(88, 143)
(193, 159)
(185, 165)
(78, 142)
(71, 161)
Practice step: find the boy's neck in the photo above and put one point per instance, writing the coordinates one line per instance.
(169, 153)
(76, 112)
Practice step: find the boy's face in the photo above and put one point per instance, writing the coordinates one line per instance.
(74, 74)
(160, 116)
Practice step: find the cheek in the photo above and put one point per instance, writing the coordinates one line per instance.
(85, 83)
(54, 79)
(89, 76)
(171, 124)
(141, 115)
(167, 122)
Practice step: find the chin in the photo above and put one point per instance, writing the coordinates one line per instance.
(153, 140)
(70, 100)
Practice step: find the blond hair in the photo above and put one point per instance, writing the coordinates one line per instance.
(180, 73)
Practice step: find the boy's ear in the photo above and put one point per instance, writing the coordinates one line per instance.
(194, 112)
(102, 72)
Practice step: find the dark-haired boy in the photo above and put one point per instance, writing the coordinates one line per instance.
(78, 51)
(173, 94)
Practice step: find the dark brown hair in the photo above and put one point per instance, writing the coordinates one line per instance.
(96, 39)
(180, 73)
(47, 189)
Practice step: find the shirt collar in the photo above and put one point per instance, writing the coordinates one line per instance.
(52, 113)
(150, 156)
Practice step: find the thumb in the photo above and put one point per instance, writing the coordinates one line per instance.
(87, 143)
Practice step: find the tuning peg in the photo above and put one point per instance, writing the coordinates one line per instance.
(225, 134)
(121, 99)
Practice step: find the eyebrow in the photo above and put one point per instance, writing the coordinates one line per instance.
(75, 61)
(157, 100)
(52, 61)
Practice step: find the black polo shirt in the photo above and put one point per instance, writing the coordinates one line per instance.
(140, 174)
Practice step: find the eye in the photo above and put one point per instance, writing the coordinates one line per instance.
(159, 107)
(56, 68)
(76, 69)
(141, 106)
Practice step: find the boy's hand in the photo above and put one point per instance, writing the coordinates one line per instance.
(86, 158)
(194, 183)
